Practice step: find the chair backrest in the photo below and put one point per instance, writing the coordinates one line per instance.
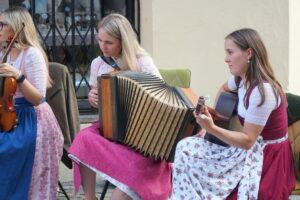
(176, 77)
(294, 129)
(293, 107)
(62, 99)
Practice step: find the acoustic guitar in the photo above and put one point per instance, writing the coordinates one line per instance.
(224, 116)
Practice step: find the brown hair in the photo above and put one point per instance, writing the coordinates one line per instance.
(260, 69)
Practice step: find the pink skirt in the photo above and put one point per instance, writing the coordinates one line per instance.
(148, 178)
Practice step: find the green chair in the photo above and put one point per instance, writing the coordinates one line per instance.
(176, 77)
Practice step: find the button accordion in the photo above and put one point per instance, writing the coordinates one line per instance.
(143, 112)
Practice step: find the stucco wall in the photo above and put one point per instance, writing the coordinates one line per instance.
(294, 55)
(191, 34)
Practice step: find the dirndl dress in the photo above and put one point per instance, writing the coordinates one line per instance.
(17, 149)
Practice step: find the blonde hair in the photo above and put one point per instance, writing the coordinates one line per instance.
(119, 27)
(260, 69)
(15, 17)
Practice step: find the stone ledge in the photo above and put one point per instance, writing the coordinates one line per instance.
(86, 119)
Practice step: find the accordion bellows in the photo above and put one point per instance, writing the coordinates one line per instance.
(143, 112)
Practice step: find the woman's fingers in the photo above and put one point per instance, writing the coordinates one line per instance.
(201, 133)
(204, 120)
(93, 97)
(93, 102)
(7, 70)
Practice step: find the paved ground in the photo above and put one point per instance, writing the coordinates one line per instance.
(66, 180)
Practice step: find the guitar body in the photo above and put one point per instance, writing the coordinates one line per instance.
(226, 106)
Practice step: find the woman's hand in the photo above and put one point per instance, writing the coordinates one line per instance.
(93, 97)
(205, 120)
(201, 133)
(7, 70)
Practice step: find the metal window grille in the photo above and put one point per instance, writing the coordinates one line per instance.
(67, 29)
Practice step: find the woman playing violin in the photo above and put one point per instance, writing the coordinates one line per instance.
(30, 152)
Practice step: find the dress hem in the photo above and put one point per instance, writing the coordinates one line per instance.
(123, 187)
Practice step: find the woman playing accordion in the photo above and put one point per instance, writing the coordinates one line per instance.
(134, 175)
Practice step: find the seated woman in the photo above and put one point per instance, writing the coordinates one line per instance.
(135, 176)
(30, 153)
(258, 164)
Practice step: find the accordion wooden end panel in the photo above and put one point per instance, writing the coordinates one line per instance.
(106, 107)
(143, 112)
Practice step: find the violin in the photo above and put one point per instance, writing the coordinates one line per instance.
(8, 87)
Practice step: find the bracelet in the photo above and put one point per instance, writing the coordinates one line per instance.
(21, 78)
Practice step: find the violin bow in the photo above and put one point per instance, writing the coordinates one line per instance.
(4, 58)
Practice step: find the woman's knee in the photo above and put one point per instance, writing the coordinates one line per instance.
(117, 194)
(184, 143)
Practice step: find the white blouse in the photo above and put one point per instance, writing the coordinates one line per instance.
(254, 114)
(32, 64)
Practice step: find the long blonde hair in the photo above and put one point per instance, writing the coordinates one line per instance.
(15, 17)
(119, 27)
(260, 69)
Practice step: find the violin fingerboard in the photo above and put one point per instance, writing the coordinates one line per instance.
(1, 85)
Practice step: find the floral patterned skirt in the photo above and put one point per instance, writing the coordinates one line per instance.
(48, 152)
(203, 170)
